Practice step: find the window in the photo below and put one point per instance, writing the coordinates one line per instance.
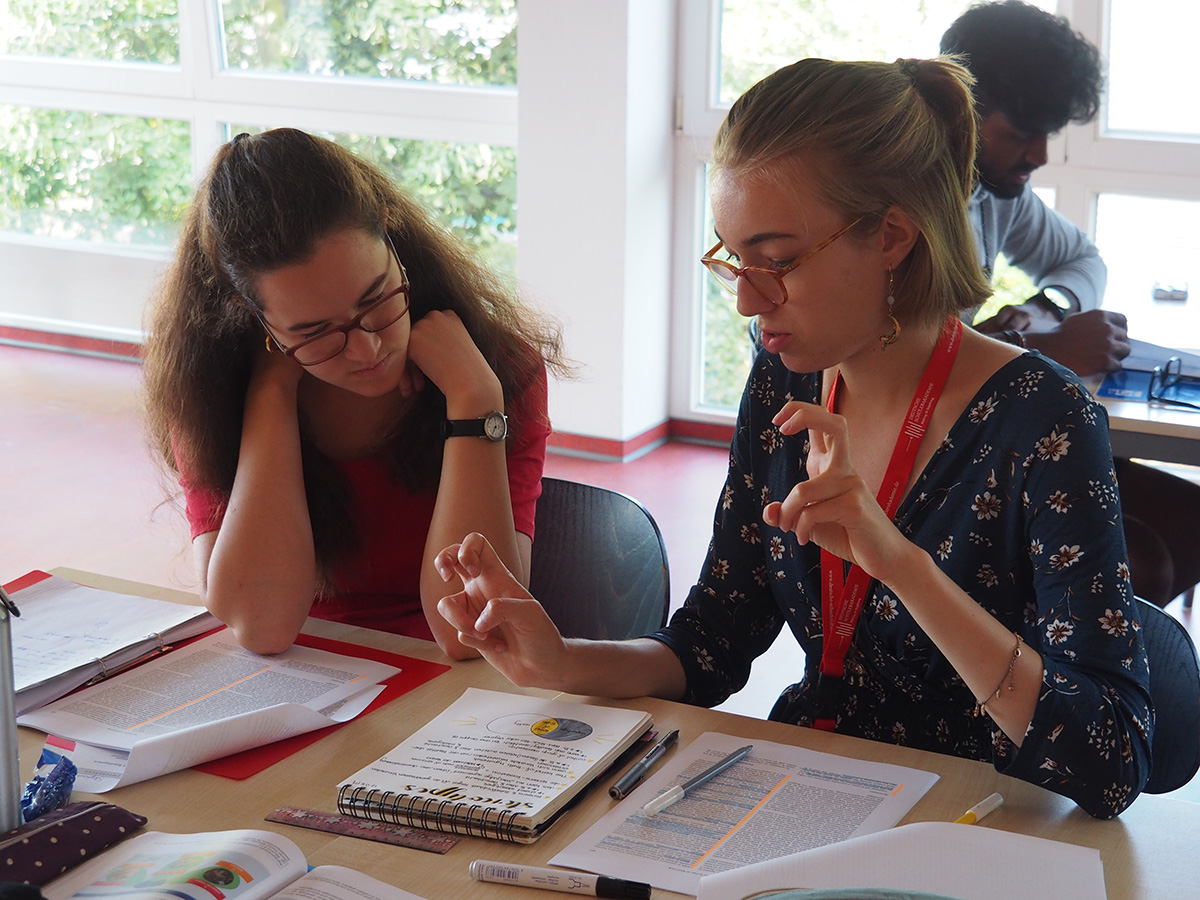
(111, 110)
(1152, 244)
(1137, 104)
(145, 31)
(464, 42)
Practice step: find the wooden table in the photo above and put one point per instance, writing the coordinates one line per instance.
(1149, 852)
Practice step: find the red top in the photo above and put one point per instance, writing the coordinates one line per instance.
(379, 584)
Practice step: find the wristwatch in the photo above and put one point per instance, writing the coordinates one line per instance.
(1054, 300)
(492, 427)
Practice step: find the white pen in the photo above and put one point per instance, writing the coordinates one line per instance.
(979, 810)
(559, 880)
(679, 791)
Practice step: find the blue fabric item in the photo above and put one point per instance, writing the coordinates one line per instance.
(1018, 507)
(50, 787)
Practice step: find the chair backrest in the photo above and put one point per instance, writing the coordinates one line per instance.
(599, 565)
(1175, 690)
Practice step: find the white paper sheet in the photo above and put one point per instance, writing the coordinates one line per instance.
(970, 862)
(778, 800)
(202, 702)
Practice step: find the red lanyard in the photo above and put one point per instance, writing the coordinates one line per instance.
(842, 595)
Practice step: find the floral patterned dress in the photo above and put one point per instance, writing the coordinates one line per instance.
(1019, 507)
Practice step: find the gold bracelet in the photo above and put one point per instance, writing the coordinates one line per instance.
(1009, 676)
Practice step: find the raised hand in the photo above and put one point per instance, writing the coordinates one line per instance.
(495, 615)
(834, 507)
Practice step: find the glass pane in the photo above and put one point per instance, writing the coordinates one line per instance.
(112, 30)
(87, 176)
(725, 349)
(1137, 103)
(1009, 284)
(1152, 243)
(760, 36)
(445, 41)
(471, 188)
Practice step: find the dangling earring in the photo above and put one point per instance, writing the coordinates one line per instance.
(886, 339)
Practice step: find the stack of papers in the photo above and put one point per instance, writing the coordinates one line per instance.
(201, 702)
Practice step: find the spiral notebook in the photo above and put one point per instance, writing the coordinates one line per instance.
(493, 764)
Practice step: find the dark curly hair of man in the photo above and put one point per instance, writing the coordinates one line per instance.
(1028, 64)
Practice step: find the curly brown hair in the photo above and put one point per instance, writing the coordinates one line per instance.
(265, 203)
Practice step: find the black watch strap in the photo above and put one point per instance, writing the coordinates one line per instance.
(1054, 300)
(492, 427)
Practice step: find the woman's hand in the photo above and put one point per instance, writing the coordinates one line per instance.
(274, 368)
(442, 351)
(834, 507)
(495, 615)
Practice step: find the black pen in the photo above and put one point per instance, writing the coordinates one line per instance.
(638, 770)
(7, 603)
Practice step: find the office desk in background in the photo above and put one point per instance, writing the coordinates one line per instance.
(1153, 431)
(1149, 853)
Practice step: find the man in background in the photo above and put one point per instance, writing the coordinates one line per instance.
(1034, 74)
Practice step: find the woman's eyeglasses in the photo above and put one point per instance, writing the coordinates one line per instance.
(768, 282)
(1166, 382)
(383, 313)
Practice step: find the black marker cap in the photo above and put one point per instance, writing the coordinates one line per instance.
(622, 889)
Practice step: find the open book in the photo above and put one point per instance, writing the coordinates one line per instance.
(68, 634)
(219, 865)
(493, 764)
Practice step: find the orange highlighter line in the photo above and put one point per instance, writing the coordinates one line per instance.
(198, 699)
(725, 836)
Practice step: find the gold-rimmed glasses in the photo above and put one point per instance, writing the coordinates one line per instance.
(383, 313)
(768, 282)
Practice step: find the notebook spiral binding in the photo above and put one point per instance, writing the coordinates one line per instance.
(455, 817)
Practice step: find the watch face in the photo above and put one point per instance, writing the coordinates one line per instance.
(495, 427)
(1058, 298)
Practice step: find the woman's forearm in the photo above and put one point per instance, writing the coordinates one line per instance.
(262, 574)
(473, 496)
(642, 667)
(975, 643)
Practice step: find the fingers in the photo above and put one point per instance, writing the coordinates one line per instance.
(467, 560)
(795, 416)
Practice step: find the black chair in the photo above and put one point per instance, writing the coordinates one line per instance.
(1175, 690)
(599, 565)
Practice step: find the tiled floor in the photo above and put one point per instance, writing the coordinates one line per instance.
(79, 488)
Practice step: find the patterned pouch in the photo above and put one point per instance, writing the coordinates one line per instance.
(41, 850)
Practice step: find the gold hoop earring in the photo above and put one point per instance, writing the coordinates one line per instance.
(885, 340)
